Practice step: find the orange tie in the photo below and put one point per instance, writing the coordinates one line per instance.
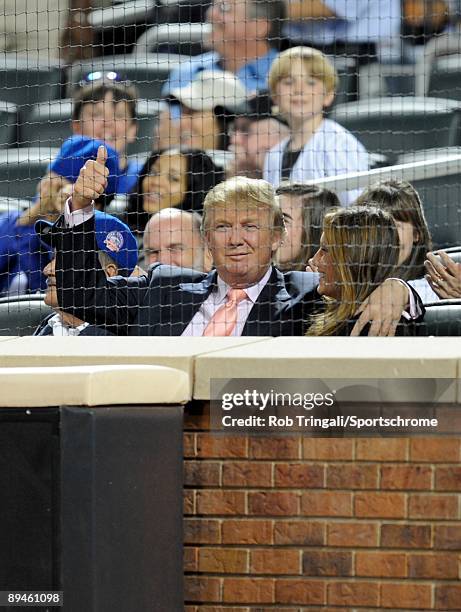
(224, 320)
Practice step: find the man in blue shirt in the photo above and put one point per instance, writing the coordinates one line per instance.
(243, 36)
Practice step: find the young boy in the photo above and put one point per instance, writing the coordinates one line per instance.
(302, 83)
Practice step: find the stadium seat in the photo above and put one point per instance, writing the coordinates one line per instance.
(395, 125)
(178, 38)
(441, 319)
(21, 315)
(24, 81)
(49, 124)
(445, 77)
(8, 124)
(21, 170)
(183, 11)
(441, 197)
(147, 73)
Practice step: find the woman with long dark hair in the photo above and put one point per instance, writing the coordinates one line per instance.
(172, 178)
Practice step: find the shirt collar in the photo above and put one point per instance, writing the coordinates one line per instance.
(252, 292)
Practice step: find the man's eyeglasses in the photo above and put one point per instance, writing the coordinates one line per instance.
(106, 77)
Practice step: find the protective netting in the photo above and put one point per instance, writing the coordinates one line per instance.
(150, 109)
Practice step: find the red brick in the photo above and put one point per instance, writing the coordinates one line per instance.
(380, 564)
(304, 532)
(201, 531)
(433, 506)
(326, 503)
(447, 537)
(246, 474)
(220, 502)
(189, 445)
(275, 447)
(202, 473)
(189, 501)
(221, 446)
(353, 594)
(405, 536)
(435, 450)
(275, 561)
(328, 448)
(273, 503)
(300, 591)
(442, 566)
(448, 478)
(382, 505)
(406, 477)
(299, 475)
(327, 563)
(190, 559)
(352, 476)
(381, 449)
(248, 590)
(247, 532)
(357, 534)
(408, 596)
(448, 597)
(223, 560)
(201, 588)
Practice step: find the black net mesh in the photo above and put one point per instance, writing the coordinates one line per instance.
(125, 124)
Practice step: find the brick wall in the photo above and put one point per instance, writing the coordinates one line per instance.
(292, 523)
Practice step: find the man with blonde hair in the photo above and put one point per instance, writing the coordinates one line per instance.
(245, 294)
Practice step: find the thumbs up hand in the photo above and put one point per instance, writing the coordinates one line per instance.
(92, 181)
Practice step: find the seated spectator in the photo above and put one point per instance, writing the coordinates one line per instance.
(106, 110)
(174, 237)
(22, 256)
(366, 29)
(254, 132)
(359, 250)
(302, 82)
(117, 254)
(402, 201)
(208, 106)
(304, 207)
(174, 178)
(242, 38)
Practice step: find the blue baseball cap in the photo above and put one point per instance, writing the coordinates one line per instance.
(76, 151)
(112, 236)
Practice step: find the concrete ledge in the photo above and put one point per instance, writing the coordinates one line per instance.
(332, 358)
(92, 386)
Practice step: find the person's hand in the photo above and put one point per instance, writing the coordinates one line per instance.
(443, 275)
(383, 308)
(92, 181)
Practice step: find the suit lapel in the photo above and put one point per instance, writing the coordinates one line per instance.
(264, 317)
(191, 297)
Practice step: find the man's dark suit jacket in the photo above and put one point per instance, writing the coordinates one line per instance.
(164, 302)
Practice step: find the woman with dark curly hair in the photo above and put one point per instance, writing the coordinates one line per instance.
(172, 178)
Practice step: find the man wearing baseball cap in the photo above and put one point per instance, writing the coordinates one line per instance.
(22, 257)
(117, 252)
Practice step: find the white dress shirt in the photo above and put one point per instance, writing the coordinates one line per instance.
(217, 298)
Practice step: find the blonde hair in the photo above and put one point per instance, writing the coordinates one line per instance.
(315, 61)
(245, 193)
(364, 247)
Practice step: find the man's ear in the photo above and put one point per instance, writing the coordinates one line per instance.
(262, 29)
(111, 270)
(276, 240)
